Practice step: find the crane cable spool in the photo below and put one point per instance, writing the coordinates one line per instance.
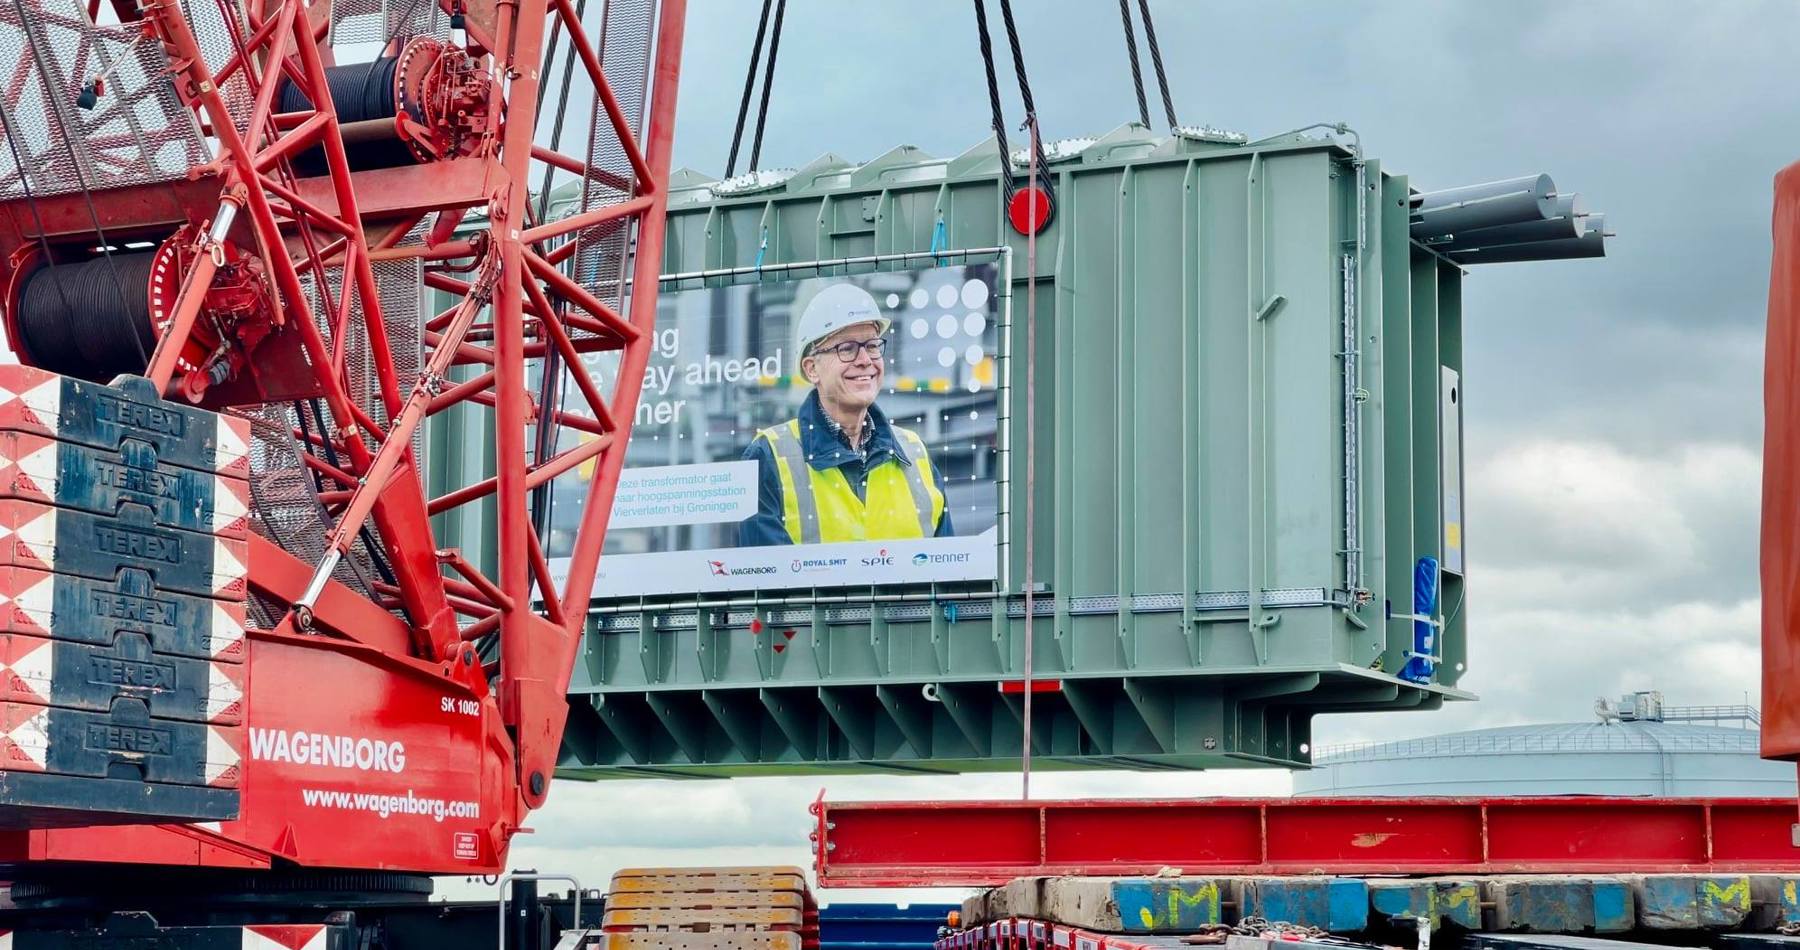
(89, 319)
(427, 103)
(98, 318)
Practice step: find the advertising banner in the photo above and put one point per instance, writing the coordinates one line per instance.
(804, 432)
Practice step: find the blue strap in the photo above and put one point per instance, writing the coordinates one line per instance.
(763, 247)
(940, 239)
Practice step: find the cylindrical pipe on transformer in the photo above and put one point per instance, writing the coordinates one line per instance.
(1487, 205)
(1551, 229)
(1590, 244)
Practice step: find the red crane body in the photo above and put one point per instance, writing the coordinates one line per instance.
(405, 717)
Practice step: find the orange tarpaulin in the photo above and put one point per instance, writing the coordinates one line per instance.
(1781, 481)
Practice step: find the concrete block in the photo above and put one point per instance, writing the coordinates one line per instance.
(1560, 904)
(1437, 899)
(1337, 904)
(1774, 901)
(1019, 897)
(1126, 905)
(1164, 905)
(1691, 902)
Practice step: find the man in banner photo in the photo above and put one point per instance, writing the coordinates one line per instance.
(840, 471)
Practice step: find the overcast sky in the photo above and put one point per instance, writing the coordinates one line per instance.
(1613, 407)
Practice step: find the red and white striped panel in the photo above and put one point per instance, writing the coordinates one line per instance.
(30, 399)
(282, 937)
(224, 756)
(233, 454)
(24, 738)
(27, 669)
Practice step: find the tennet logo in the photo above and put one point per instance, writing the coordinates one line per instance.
(880, 558)
(920, 559)
(948, 557)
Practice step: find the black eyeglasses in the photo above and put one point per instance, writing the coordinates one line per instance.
(847, 350)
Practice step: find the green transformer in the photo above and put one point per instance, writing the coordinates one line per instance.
(1246, 434)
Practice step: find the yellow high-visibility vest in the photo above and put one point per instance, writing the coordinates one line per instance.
(900, 500)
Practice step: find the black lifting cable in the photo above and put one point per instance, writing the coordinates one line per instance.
(1009, 180)
(762, 111)
(993, 84)
(1137, 75)
(737, 135)
(1156, 60)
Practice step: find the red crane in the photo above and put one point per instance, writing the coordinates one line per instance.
(198, 193)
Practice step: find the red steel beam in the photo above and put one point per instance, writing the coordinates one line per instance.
(983, 843)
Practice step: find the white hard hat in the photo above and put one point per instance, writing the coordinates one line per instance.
(832, 309)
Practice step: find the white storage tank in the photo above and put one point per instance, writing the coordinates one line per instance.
(1634, 746)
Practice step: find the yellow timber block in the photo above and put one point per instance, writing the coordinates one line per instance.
(662, 900)
(706, 881)
(722, 869)
(717, 940)
(770, 917)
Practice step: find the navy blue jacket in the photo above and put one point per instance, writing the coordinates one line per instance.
(824, 450)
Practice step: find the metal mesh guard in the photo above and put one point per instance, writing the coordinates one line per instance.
(138, 130)
(603, 250)
(378, 21)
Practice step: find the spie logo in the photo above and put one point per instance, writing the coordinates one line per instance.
(880, 558)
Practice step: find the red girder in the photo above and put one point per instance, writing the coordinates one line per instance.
(981, 843)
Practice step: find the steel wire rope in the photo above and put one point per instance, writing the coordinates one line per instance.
(737, 135)
(1156, 61)
(762, 110)
(1018, 58)
(1035, 147)
(1137, 75)
(993, 85)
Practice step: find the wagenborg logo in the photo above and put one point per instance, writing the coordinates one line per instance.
(718, 569)
(880, 558)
